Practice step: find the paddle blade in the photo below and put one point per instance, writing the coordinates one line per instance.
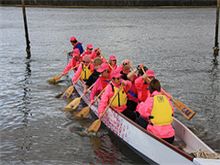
(54, 80)
(95, 126)
(73, 104)
(83, 113)
(68, 92)
(186, 111)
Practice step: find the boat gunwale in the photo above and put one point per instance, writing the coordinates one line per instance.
(171, 146)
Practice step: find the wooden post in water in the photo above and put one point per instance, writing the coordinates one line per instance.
(216, 48)
(26, 30)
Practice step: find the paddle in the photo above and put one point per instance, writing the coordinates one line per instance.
(55, 79)
(74, 104)
(85, 111)
(186, 111)
(94, 127)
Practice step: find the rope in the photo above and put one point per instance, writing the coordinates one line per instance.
(206, 155)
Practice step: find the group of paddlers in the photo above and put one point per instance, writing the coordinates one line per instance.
(134, 92)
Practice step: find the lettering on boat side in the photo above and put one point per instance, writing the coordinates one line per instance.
(115, 123)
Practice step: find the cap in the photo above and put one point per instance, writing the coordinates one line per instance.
(73, 38)
(112, 57)
(89, 46)
(103, 67)
(150, 73)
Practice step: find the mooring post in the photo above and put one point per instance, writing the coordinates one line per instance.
(216, 48)
(26, 30)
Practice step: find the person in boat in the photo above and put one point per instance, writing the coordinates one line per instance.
(84, 70)
(112, 62)
(88, 51)
(125, 69)
(76, 44)
(158, 111)
(132, 92)
(95, 74)
(142, 85)
(101, 82)
(120, 101)
(73, 63)
(97, 53)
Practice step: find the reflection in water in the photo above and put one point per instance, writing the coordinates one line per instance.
(104, 150)
(25, 109)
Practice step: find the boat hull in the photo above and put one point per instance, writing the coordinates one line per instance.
(146, 144)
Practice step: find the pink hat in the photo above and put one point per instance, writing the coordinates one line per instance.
(76, 52)
(86, 58)
(103, 67)
(116, 73)
(150, 73)
(112, 57)
(73, 38)
(89, 46)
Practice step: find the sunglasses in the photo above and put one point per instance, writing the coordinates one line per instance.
(89, 49)
(114, 78)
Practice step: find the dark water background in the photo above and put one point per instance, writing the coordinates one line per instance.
(176, 43)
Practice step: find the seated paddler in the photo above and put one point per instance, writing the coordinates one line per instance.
(84, 70)
(101, 82)
(157, 111)
(116, 94)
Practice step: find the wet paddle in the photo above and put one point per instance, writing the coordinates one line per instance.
(75, 103)
(85, 111)
(186, 111)
(94, 127)
(55, 79)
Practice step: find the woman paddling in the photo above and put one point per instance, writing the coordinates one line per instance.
(158, 111)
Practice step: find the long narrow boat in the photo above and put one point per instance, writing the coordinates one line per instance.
(150, 147)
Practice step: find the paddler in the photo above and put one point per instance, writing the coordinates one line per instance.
(158, 111)
(101, 82)
(142, 84)
(84, 70)
(76, 44)
(120, 101)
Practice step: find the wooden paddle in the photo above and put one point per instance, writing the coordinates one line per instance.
(75, 103)
(186, 111)
(94, 127)
(55, 79)
(85, 111)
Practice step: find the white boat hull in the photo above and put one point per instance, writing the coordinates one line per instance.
(149, 146)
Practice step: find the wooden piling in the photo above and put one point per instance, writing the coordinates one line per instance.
(26, 30)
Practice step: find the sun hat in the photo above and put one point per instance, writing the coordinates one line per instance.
(150, 73)
(103, 67)
(112, 57)
(73, 38)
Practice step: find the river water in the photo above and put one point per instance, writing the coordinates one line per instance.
(176, 43)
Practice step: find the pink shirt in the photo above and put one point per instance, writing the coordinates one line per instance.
(100, 84)
(106, 96)
(142, 89)
(145, 109)
(79, 70)
(72, 63)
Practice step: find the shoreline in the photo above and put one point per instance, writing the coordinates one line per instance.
(110, 7)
